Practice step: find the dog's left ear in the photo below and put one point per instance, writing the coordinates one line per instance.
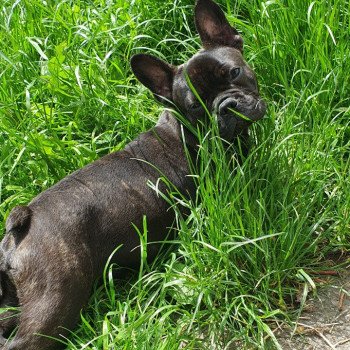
(155, 74)
(213, 27)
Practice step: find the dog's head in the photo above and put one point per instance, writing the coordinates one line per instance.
(218, 75)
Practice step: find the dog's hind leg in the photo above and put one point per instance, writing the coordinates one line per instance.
(52, 279)
(49, 315)
(9, 305)
(9, 313)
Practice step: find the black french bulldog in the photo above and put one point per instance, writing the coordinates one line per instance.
(57, 246)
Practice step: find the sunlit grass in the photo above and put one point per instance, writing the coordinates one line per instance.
(67, 97)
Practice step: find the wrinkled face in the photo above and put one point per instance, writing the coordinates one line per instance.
(225, 84)
(218, 73)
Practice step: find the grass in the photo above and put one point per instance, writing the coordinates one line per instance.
(67, 97)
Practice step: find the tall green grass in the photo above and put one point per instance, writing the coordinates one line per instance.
(67, 96)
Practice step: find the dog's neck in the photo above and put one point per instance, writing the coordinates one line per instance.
(171, 125)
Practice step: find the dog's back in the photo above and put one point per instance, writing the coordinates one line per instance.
(57, 246)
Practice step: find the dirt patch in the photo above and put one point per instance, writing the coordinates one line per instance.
(325, 322)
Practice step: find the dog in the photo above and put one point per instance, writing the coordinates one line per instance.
(57, 246)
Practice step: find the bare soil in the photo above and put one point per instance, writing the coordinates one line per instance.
(325, 321)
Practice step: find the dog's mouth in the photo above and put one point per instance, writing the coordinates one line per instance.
(227, 107)
(236, 110)
(235, 103)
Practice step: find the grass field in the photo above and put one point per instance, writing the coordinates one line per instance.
(245, 255)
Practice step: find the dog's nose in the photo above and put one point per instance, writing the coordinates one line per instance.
(226, 106)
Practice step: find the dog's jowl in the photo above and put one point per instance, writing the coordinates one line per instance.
(57, 246)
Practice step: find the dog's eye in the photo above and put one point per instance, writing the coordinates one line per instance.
(195, 105)
(234, 73)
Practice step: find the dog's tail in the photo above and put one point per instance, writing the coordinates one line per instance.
(18, 222)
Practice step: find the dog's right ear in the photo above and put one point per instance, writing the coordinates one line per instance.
(213, 27)
(155, 74)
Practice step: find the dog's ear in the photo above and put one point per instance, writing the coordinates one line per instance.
(155, 74)
(213, 27)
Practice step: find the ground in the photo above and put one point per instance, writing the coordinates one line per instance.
(325, 321)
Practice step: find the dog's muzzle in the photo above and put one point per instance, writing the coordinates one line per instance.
(238, 103)
(227, 106)
(236, 109)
